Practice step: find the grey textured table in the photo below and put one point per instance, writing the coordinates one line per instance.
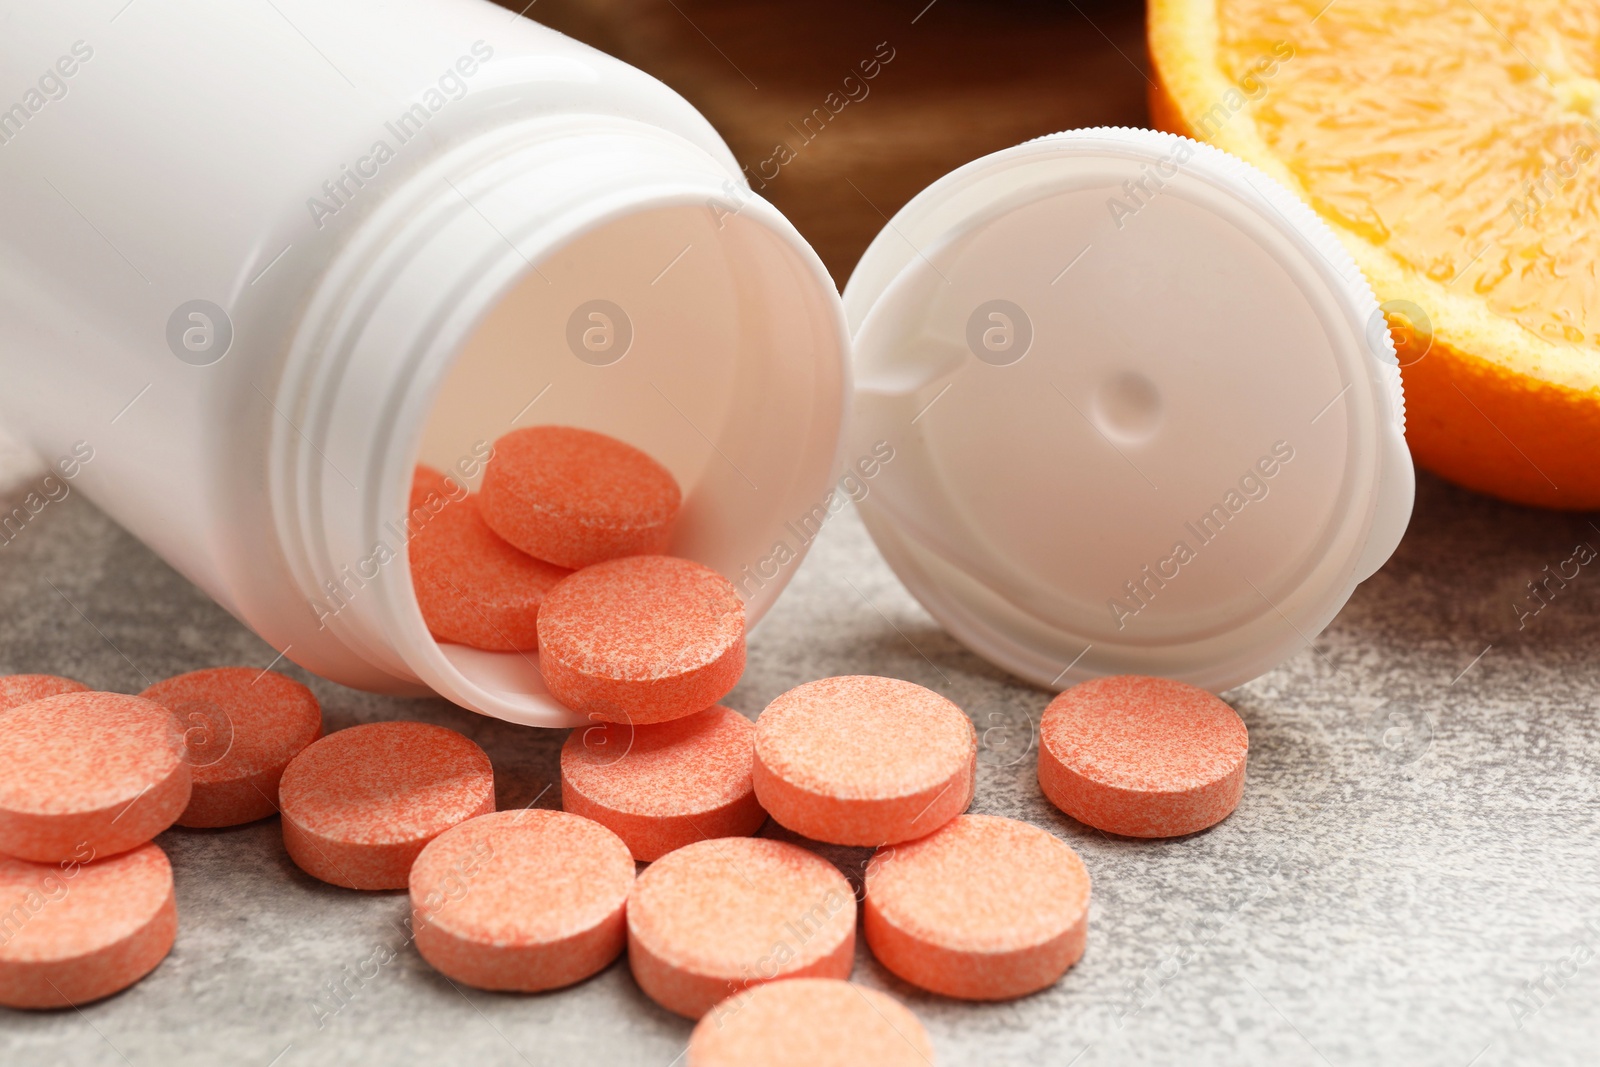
(1411, 877)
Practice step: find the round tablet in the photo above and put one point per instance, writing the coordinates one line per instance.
(1143, 757)
(810, 1022)
(575, 497)
(472, 587)
(19, 689)
(666, 785)
(522, 900)
(719, 916)
(983, 908)
(242, 726)
(76, 932)
(360, 804)
(101, 772)
(642, 639)
(861, 760)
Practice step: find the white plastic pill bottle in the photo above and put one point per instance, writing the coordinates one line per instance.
(1119, 402)
(263, 258)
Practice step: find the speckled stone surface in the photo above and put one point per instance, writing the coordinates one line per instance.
(1413, 875)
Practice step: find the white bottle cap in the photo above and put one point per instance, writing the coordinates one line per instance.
(1145, 413)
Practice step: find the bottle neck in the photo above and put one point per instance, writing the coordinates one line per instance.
(388, 324)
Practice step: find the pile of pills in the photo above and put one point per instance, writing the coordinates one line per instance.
(755, 938)
(474, 588)
(88, 779)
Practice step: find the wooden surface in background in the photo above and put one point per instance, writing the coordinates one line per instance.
(966, 78)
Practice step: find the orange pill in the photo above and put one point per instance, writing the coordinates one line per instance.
(861, 760)
(19, 689)
(78, 931)
(522, 900)
(719, 916)
(360, 804)
(431, 491)
(1143, 757)
(642, 639)
(98, 771)
(810, 1022)
(472, 587)
(242, 726)
(663, 786)
(983, 908)
(576, 497)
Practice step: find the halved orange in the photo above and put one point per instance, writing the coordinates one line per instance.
(1453, 146)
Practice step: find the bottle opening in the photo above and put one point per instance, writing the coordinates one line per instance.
(699, 336)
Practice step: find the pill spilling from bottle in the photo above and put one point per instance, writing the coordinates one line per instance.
(643, 645)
